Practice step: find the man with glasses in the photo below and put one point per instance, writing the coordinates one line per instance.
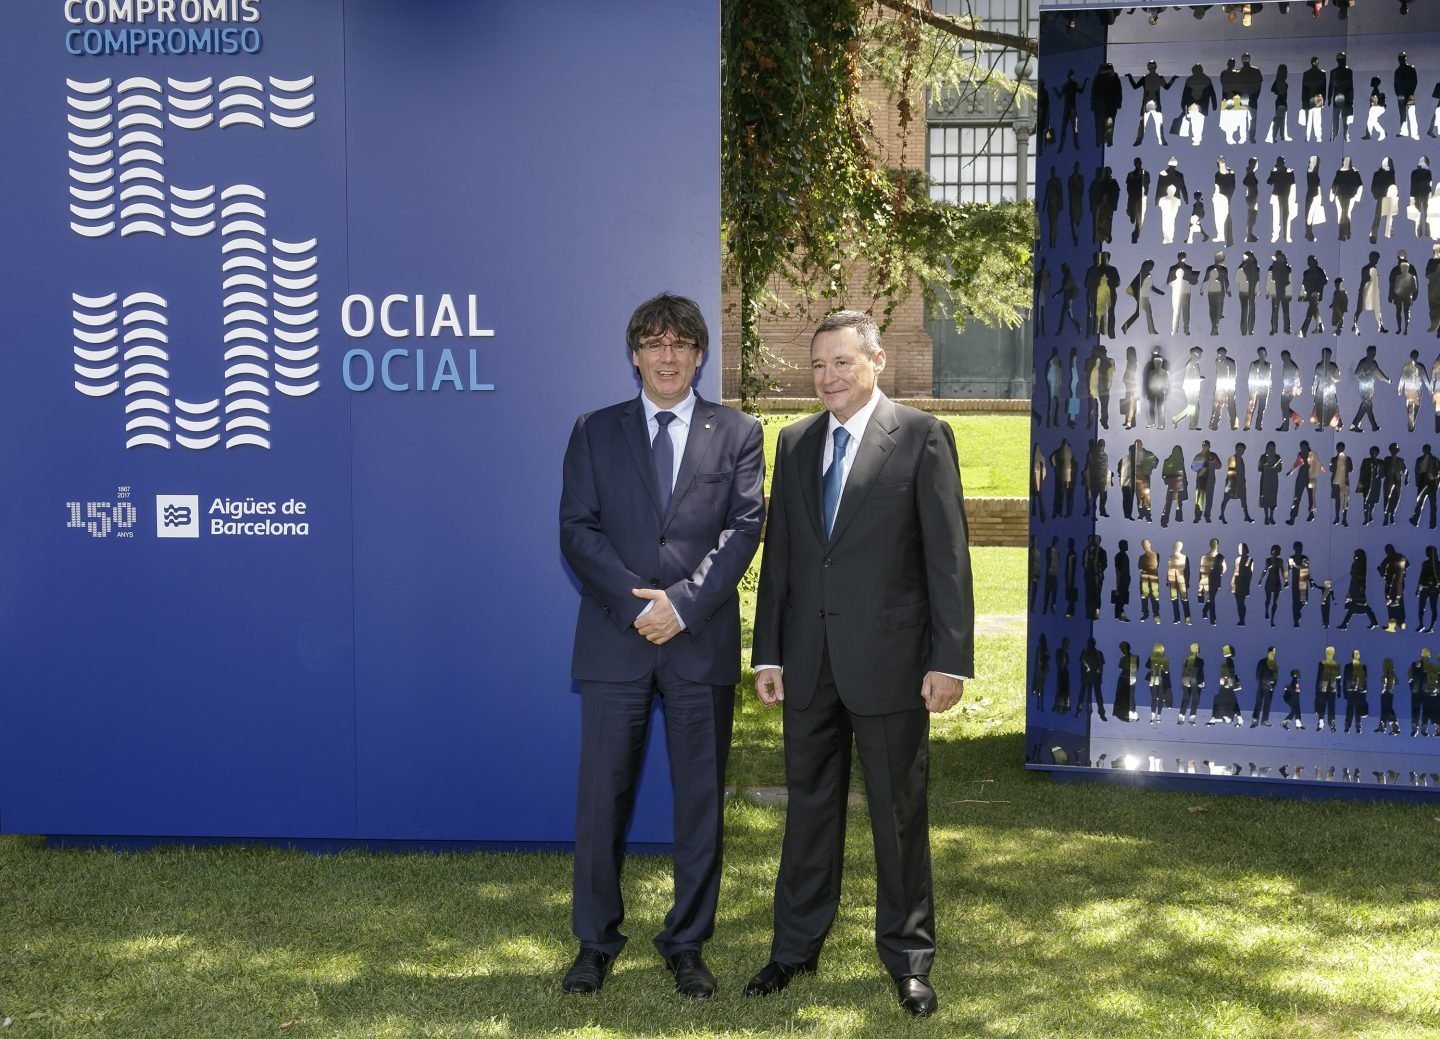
(660, 514)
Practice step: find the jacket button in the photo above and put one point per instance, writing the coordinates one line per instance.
(654, 582)
(827, 560)
(822, 614)
(663, 541)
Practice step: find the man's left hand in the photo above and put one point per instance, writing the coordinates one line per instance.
(660, 623)
(941, 692)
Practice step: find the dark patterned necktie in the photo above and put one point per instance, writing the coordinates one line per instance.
(664, 451)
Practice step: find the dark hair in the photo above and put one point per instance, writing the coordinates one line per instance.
(666, 313)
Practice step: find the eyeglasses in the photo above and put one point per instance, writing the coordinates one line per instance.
(656, 346)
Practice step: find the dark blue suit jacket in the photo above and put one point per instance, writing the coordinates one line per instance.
(615, 538)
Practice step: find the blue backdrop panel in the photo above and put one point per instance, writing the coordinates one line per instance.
(585, 179)
(262, 580)
(1221, 736)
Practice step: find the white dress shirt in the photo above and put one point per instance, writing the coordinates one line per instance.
(679, 432)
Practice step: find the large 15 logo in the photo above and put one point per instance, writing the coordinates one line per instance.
(118, 184)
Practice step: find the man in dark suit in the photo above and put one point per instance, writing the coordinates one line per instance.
(863, 627)
(660, 515)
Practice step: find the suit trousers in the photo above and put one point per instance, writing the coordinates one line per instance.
(615, 717)
(894, 756)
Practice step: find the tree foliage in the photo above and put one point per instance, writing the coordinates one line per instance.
(808, 197)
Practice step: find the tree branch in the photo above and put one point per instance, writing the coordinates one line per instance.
(965, 32)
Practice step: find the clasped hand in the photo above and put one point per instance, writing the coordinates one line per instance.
(660, 623)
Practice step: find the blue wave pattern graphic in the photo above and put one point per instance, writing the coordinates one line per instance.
(270, 315)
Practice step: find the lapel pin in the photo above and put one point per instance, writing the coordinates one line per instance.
(707, 425)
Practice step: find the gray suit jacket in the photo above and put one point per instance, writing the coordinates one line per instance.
(889, 592)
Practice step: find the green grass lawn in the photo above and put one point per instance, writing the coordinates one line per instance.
(1066, 911)
(994, 451)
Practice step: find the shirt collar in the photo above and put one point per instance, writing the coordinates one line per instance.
(858, 421)
(681, 411)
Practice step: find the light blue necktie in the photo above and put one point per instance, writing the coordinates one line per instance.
(834, 477)
(664, 451)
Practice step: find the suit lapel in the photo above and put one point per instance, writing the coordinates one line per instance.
(808, 453)
(875, 450)
(638, 439)
(698, 441)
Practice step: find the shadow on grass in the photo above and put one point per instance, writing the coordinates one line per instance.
(1063, 910)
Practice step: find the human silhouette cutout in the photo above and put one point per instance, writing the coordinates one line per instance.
(1235, 483)
(1427, 483)
(1314, 208)
(1367, 300)
(1106, 99)
(1410, 386)
(1277, 290)
(1298, 574)
(1340, 96)
(1313, 282)
(1149, 566)
(1404, 290)
(1157, 677)
(1069, 93)
(1279, 129)
(1367, 374)
(1312, 100)
(1340, 467)
(1407, 81)
(1306, 471)
(1386, 194)
(1357, 597)
(1346, 187)
(1270, 466)
(1197, 100)
(1272, 581)
(1137, 197)
(1267, 676)
(1257, 384)
(1123, 708)
(1120, 593)
(1152, 87)
(1242, 577)
(1092, 667)
(1216, 287)
(1142, 287)
(1251, 183)
(1281, 180)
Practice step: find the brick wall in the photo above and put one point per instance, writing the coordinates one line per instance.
(998, 521)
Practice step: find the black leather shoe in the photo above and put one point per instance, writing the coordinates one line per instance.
(692, 977)
(587, 974)
(916, 995)
(774, 976)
